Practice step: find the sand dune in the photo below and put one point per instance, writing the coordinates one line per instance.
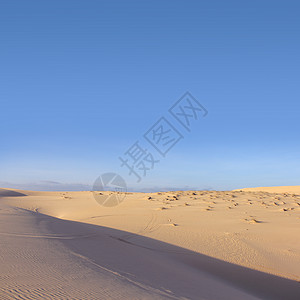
(276, 189)
(172, 245)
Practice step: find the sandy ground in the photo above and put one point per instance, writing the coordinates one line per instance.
(241, 244)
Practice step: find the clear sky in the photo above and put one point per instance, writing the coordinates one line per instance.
(82, 81)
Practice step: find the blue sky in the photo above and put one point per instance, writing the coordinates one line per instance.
(81, 81)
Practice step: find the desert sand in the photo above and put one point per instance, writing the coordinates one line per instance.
(241, 244)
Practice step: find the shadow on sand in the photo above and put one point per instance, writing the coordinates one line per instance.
(162, 266)
(10, 193)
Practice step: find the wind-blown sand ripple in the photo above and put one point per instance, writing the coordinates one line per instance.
(64, 245)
